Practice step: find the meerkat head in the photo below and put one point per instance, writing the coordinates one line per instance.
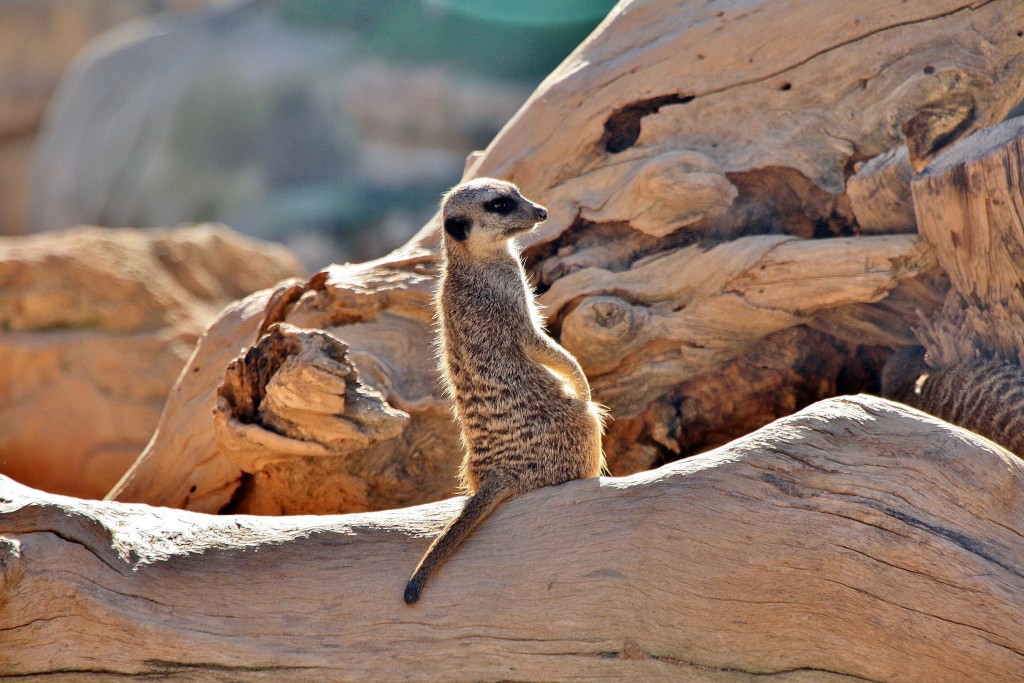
(484, 213)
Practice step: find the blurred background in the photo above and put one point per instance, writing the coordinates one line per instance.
(332, 126)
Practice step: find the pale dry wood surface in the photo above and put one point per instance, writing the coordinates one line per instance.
(970, 209)
(705, 260)
(683, 143)
(703, 307)
(880, 196)
(967, 366)
(857, 540)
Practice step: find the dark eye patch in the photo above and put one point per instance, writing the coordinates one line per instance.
(502, 205)
(457, 227)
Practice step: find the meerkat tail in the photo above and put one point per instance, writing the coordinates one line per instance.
(478, 507)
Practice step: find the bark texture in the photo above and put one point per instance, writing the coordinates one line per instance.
(858, 540)
(970, 209)
(703, 258)
(733, 192)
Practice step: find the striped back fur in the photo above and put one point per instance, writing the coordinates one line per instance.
(986, 396)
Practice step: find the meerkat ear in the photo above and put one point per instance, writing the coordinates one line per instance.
(457, 227)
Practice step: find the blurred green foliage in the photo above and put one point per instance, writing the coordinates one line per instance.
(518, 39)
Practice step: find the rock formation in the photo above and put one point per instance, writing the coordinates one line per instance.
(38, 40)
(95, 327)
(332, 127)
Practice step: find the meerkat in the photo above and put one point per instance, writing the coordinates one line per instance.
(984, 396)
(521, 401)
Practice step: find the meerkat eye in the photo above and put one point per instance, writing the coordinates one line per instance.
(502, 205)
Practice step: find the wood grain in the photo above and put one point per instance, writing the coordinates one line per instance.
(857, 540)
(970, 210)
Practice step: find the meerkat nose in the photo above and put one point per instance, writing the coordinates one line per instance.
(542, 213)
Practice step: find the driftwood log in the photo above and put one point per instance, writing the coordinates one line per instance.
(857, 540)
(706, 169)
(967, 369)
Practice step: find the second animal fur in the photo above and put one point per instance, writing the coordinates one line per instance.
(521, 401)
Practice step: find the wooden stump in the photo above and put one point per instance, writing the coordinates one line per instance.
(970, 208)
(880, 195)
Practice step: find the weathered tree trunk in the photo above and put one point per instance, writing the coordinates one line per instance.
(858, 540)
(692, 157)
(968, 368)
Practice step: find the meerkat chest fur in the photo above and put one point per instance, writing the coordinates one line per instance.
(521, 401)
(486, 311)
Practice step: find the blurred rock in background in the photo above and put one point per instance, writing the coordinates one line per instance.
(331, 126)
(38, 39)
(95, 326)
